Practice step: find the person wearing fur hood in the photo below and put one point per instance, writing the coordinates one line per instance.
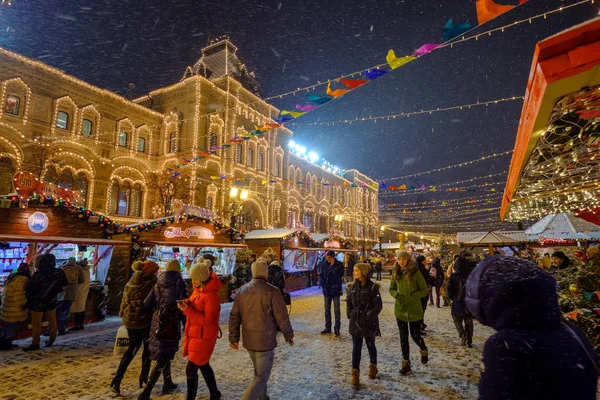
(363, 304)
(408, 287)
(14, 305)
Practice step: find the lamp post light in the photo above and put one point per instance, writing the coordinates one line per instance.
(381, 231)
(237, 198)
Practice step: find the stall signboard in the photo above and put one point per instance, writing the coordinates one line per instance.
(193, 231)
(38, 222)
(24, 183)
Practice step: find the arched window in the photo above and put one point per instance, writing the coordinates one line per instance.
(173, 147)
(86, 127)
(209, 203)
(277, 171)
(62, 120)
(135, 206)
(250, 157)
(141, 145)
(239, 153)
(260, 162)
(123, 138)
(308, 220)
(126, 198)
(213, 142)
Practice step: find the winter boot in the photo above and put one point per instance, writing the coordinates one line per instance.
(192, 386)
(156, 373)
(336, 332)
(115, 385)
(469, 343)
(209, 377)
(168, 386)
(373, 371)
(31, 347)
(424, 356)
(355, 377)
(463, 341)
(405, 367)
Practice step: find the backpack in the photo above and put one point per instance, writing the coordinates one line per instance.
(72, 274)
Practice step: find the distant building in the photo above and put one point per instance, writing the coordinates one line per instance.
(79, 136)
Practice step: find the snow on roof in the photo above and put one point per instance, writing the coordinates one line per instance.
(269, 233)
(390, 246)
(317, 237)
(563, 226)
(485, 238)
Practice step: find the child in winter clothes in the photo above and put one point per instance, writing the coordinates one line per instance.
(363, 307)
(408, 287)
(202, 310)
(14, 303)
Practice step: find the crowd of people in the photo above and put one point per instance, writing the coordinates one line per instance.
(533, 354)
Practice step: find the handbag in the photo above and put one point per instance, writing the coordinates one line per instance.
(121, 341)
(167, 322)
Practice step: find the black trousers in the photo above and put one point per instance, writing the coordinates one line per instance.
(191, 371)
(415, 333)
(464, 326)
(357, 342)
(79, 318)
(378, 274)
(137, 339)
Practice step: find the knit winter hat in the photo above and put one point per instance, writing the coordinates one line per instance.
(150, 267)
(173, 265)
(47, 261)
(364, 268)
(403, 254)
(201, 271)
(260, 269)
(276, 262)
(137, 266)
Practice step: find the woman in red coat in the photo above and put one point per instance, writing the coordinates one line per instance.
(202, 311)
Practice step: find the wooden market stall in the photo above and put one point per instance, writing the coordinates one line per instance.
(186, 239)
(56, 227)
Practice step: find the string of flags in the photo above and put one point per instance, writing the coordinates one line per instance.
(486, 10)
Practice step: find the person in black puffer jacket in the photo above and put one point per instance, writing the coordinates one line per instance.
(429, 280)
(163, 298)
(276, 276)
(363, 307)
(136, 318)
(534, 353)
(44, 286)
(332, 272)
(456, 291)
(437, 274)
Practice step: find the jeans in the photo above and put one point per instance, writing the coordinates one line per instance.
(63, 309)
(263, 363)
(437, 293)
(191, 371)
(8, 331)
(137, 338)
(357, 342)
(415, 332)
(36, 325)
(466, 331)
(336, 309)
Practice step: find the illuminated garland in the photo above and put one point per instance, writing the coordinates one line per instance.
(149, 225)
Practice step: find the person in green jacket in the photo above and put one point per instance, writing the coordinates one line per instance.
(408, 287)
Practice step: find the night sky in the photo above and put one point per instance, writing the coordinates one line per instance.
(293, 44)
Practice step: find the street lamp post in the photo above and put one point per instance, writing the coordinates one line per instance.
(237, 198)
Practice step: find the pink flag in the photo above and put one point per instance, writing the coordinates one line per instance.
(306, 108)
(426, 48)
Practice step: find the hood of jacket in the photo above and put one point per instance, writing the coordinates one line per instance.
(169, 279)
(141, 278)
(463, 267)
(400, 272)
(514, 293)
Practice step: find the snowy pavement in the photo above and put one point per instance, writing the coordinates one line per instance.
(81, 365)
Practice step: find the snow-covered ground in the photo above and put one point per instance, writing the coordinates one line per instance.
(81, 365)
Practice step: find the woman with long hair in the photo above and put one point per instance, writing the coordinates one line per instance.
(408, 287)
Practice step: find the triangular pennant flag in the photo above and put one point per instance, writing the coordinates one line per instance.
(335, 93)
(433, 189)
(318, 100)
(395, 62)
(263, 181)
(352, 83)
(175, 175)
(281, 119)
(382, 185)
(294, 114)
(422, 187)
(488, 10)
(392, 188)
(451, 31)
(402, 187)
(426, 48)
(307, 107)
(411, 188)
(373, 74)
(262, 128)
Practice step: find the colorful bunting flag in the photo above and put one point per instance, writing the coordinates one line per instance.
(352, 83)
(488, 10)
(426, 48)
(318, 100)
(307, 107)
(395, 62)
(451, 31)
(336, 93)
(294, 114)
(375, 73)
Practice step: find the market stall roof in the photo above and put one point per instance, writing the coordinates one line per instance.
(390, 246)
(319, 237)
(56, 239)
(323, 249)
(563, 226)
(554, 164)
(491, 238)
(193, 244)
(269, 233)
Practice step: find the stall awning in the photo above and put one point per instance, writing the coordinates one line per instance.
(194, 244)
(322, 249)
(57, 239)
(269, 233)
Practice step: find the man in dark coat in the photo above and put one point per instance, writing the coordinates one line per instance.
(331, 277)
(437, 273)
(534, 354)
(41, 292)
(456, 291)
(276, 277)
(169, 289)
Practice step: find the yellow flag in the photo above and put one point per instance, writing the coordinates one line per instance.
(294, 114)
(264, 181)
(395, 62)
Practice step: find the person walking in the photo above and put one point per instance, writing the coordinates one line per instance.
(428, 280)
(260, 311)
(65, 299)
(253, 258)
(202, 311)
(276, 276)
(446, 299)
(378, 267)
(44, 286)
(136, 318)
(165, 331)
(14, 305)
(437, 273)
(78, 307)
(363, 305)
(535, 353)
(408, 287)
(348, 268)
(331, 277)
(457, 285)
